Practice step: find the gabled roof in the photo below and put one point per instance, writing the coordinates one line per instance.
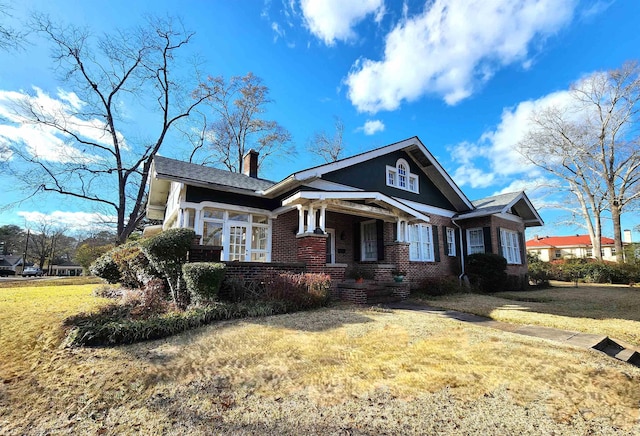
(171, 169)
(10, 260)
(565, 241)
(412, 146)
(516, 203)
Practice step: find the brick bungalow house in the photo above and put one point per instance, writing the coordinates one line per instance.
(391, 208)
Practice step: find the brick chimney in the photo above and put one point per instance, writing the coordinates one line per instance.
(250, 164)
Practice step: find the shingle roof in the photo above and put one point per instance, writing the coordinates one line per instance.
(9, 260)
(565, 241)
(200, 174)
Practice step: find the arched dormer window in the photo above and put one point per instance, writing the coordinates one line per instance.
(400, 177)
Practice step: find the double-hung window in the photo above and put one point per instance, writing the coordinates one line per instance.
(451, 242)
(475, 241)
(421, 243)
(401, 177)
(510, 246)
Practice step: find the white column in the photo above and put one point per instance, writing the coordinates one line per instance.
(323, 211)
(180, 219)
(399, 230)
(311, 219)
(300, 219)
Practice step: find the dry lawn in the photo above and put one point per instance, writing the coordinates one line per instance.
(332, 371)
(612, 310)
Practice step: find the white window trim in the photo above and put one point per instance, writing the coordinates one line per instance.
(451, 241)
(362, 242)
(510, 242)
(392, 177)
(226, 226)
(423, 255)
(469, 246)
(332, 246)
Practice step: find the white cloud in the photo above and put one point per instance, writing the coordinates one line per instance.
(71, 220)
(331, 20)
(371, 127)
(45, 142)
(495, 157)
(451, 48)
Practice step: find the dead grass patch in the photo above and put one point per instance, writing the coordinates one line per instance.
(330, 371)
(607, 310)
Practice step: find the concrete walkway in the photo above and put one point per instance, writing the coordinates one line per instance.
(611, 347)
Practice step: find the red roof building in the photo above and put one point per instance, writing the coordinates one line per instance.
(561, 247)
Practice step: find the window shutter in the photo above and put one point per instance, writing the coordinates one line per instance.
(464, 249)
(456, 234)
(523, 249)
(487, 240)
(499, 241)
(380, 238)
(436, 245)
(356, 242)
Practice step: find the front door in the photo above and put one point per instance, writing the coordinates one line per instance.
(238, 242)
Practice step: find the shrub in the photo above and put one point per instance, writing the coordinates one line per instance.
(487, 271)
(436, 286)
(167, 253)
(539, 271)
(298, 291)
(203, 280)
(135, 269)
(113, 326)
(106, 268)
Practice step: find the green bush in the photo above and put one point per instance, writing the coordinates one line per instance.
(539, 271)
(135, 269)
(593, 271)
(203, 280)
(167, 252)
(113, 326)
(436, 286)
(106, 268)
(487, 271)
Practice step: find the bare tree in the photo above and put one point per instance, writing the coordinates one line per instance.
(238, 126)
(10, 38)
(97, 164)
(592, 144)
(329, 148)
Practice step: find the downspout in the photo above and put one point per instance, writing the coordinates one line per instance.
(461, 250)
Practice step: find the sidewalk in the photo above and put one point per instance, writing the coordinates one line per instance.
(612, 347)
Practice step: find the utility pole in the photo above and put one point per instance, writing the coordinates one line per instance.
(26, 250)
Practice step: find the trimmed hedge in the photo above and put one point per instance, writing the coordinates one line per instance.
(106, 268)
(593, 271)
(167, 252)
(203, 280)
(111, 327)
(487, 271)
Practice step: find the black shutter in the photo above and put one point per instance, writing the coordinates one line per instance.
(523, 248)
(436, 245)
(462, 242)
(488, 248)
(499, 242)
(445, 241)
(356, 242)
(380, 238)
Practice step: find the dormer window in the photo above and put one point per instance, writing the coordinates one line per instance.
(400, 177)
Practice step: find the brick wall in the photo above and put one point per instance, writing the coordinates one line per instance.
(283, 238)
(256, 270)
(312, 251)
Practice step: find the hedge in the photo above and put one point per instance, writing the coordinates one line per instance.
(203, 280)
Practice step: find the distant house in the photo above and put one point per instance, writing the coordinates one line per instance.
(391, 208)
(562, 247)
(66, 269)
(10, 265)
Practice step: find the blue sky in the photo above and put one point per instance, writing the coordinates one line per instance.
(462, 75)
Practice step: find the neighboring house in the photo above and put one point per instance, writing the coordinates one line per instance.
(10, 263)
(563, 247)
(390, 208)
(66, 269)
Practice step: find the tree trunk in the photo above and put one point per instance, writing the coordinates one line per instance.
(617, 231)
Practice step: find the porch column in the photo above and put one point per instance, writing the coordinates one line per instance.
(323, 211)
(300, 219)
(311, 219)
(180, 219)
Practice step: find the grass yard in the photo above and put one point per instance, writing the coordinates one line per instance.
(332, 371)
(612, 310)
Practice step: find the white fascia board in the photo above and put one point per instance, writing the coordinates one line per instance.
(225, 206)
(509, 217)
(353, 195)
(421, 207)
(326, 185)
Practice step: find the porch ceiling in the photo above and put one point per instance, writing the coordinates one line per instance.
(367, 204)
